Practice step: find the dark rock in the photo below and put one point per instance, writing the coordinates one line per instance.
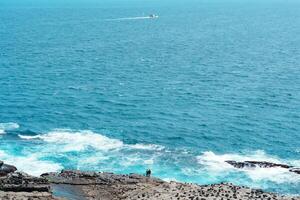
(252, 164)
(21, 182)
(261, 164)
(6, 169)
(295, 170)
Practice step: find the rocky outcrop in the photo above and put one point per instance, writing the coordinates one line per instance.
(108, 186)
(21, 182)
(295, 170)
(17, 185)
(261, 164)
(6, 169)
(78, 185)
(75, 177)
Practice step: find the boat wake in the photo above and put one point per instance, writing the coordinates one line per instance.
(133, 18)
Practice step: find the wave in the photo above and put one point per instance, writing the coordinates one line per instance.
(89, 150)
(77, 140)
(81, 140)
(30, 164)
(215, 164)
(147, 147)
(8, 126)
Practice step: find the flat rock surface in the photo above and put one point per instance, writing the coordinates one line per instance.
(27, 196)
(78, 185)
(108, 186)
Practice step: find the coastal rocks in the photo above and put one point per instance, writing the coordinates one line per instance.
(109, 186)
(79, 185)
(295, 170)
(6, 169)
(98, 185)
(253, 164)
(16, 185)
(21, 182)
(262, 164)
(75, 177)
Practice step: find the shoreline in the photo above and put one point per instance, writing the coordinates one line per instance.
(80, 185)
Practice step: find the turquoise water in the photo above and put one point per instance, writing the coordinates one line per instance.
(98, 86)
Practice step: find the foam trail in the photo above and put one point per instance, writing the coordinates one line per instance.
(8, 126)
(147, 147)
(129, 18)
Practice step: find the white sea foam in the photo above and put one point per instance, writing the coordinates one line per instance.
(30, 164)
(147, 147)
(28, 137)
(215, 163)
(8, 126)
(149, 161)
(77, 140)
(62, 141)
(80, 140)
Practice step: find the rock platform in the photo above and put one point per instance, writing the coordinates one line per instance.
(79, 185)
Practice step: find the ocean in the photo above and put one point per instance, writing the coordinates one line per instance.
(98, 85)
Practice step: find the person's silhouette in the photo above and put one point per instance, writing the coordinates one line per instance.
(148, 172)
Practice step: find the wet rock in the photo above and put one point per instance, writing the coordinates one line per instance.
(295, 170)
(6, 169)
(262, 164)
(252, 164)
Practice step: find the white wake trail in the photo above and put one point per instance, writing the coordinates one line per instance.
(129, 18)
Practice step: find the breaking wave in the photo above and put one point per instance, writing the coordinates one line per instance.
(30, 164)
(81, 140)
(215, 164)
(147, 147)
(77, 141)
(86, 150)
(8, 126)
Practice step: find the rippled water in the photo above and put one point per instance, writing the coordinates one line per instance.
(206, 82)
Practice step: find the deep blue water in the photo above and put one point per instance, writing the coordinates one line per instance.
(90, 85)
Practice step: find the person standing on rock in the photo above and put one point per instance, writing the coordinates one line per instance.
(148, 172)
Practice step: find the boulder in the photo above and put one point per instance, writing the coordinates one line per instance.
(6, 169)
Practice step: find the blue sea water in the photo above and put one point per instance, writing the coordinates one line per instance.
(93, 85)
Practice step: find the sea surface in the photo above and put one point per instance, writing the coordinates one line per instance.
(98, 85)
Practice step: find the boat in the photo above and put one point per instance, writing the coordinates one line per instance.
(153, 16)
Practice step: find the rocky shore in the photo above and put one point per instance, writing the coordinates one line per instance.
(78, 185)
